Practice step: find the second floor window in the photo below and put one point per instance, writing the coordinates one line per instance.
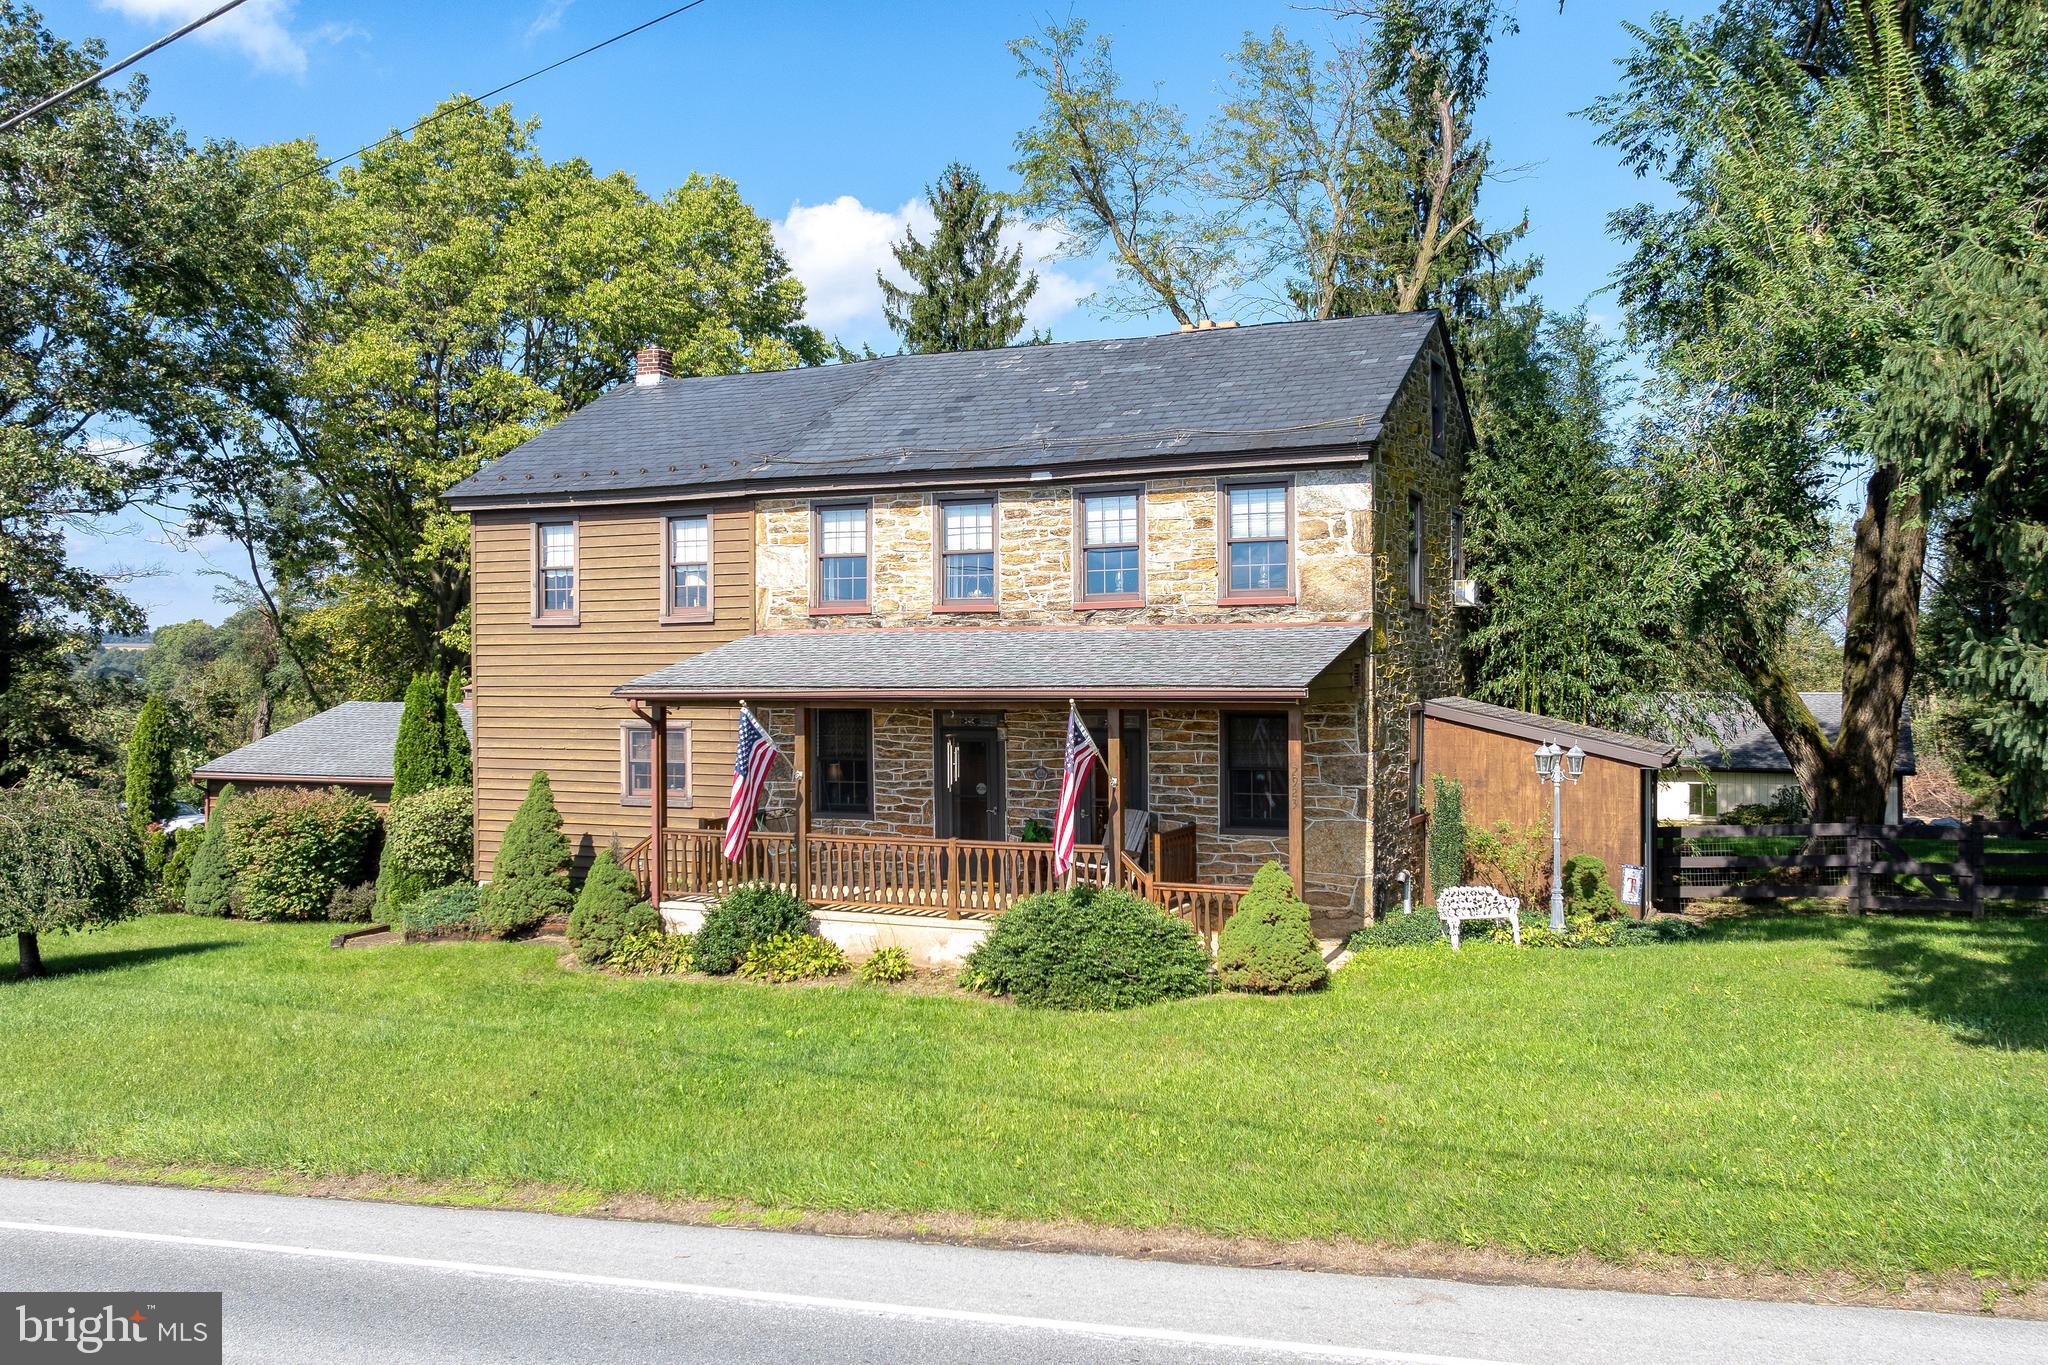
(1255, 540)
(689, 566)
(555, 553)
(840, 773)
(967, 553)
(1110, 548)
(841, 536)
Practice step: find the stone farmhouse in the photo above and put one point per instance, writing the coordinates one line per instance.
(1233, 548)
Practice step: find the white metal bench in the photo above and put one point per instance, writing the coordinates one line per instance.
(1455, 905)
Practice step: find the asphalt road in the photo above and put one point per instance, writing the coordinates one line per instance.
(330, 1282)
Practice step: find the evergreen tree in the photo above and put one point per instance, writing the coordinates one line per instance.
(1268, 945)
(419, 759)
(530, 877)
(209, 887)
(966, 292)
(455, 763)
(608, 908)
(150, 778)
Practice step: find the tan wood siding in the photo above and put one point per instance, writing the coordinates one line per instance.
(543, 692)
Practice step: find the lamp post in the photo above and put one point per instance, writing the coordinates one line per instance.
(1549, 769)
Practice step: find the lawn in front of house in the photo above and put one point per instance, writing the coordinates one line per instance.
(1811, 1093)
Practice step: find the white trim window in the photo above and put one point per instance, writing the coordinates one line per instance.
(689, 566)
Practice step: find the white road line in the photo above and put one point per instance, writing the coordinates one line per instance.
(1315, 1350)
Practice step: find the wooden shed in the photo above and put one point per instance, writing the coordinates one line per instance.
(1611, 812)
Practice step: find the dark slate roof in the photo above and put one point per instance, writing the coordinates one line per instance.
(351, 742)
(1275, 663)
(1740, 743)
(1614, 744)
(1279, 386)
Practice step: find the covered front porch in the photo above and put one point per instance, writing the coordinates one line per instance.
(924, 766)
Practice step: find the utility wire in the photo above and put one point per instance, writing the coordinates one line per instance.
(52, 101)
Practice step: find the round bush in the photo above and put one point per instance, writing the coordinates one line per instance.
(353, 904)
(607, 909)
(428, 836)
(1586, 891)
(1267, 945)
(1089, 948)
(748, 915)
(458, 907)
(289, 850)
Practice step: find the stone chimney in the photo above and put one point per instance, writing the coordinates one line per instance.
(652, 364)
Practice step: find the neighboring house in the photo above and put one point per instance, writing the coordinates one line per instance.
(1233, 548)
(347, 746)
(1742, 764)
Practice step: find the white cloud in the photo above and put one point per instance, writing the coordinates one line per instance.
(260, 29)
(836, 247)
(549, 19)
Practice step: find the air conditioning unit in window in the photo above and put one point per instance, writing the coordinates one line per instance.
(1465, 592)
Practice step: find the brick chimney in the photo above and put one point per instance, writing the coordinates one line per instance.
(652, 364)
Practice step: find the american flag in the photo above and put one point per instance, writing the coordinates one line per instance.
(749, 771)
(1081, 757)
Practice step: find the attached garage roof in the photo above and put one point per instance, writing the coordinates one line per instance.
(1502, 720)
(1105, 663)
(351, 742)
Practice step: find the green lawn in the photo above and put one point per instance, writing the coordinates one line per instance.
(1796, 1093)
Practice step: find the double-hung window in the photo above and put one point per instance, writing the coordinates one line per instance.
(554, 585)
(1255, 542)
(967, 554)
(840, 533)
(841, 763)
(1110, 571)
(1254, 770)
(688, 582)
(636, 764)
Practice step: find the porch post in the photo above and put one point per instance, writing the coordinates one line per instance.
(803, 802)
(1294, 795)
(657, 805)
(1116, 796)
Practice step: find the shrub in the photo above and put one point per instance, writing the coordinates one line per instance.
(1512, 857)
(427, 839)
(793, 957)
(608, 908)
(1586, 891)
(1267, 945)
(289, 850)
(748, 915)
(886, 965)
(208, 889)
(150, 778)
(353, 904)
(1446, 834)
(1089, 948)
(185, 846)
(530, 879)
(449, 909)
(650, 952)
(1418, 930)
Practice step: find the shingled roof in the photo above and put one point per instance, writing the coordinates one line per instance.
(350, 742)
(1263, 663)
(1740, 742)
(1295, 387)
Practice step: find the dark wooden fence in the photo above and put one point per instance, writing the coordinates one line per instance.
(1912, 866)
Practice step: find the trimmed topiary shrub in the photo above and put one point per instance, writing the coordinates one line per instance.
(1446, 834)
(1586, 892)
(1419, 930)
(427, 839)
(530, 878)
(748, 915)
(793, 957)
(886, 965)
(451, 911)
(607, 909)
(289, 850)
(1089, 948)
(1267, 945)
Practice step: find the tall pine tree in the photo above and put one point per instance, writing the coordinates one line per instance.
(966, 292)
(150, 778)
(419, 759)
(456, 763)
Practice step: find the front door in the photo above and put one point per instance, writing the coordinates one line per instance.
(970, 762)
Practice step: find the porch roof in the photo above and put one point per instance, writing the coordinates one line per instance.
(1095, 663)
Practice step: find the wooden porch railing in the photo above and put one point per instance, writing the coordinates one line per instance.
(921, 876)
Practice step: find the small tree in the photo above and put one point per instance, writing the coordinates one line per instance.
(419, 759)
(1446, 834)
(150, 779)
(608, 908)
(530, 877)
(455, 763)
(1268, 945)
(210, 885)
(67, 861)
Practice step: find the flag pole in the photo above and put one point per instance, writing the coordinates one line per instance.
(1073, 718)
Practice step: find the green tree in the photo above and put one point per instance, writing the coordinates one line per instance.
(209, 887)
(419, 757)
(1847, 180)
(150, 780)
(608, 908)
(456, 763)
(1267, 944)
(530, 876)
(67, 861)
(967, 291)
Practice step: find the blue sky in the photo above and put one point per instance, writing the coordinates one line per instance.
(830, 117)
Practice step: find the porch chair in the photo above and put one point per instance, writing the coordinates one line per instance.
(1457, 904)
